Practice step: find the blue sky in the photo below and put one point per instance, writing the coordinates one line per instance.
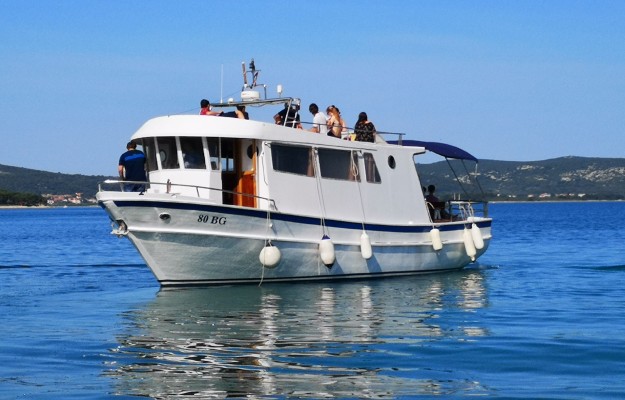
(520, 81)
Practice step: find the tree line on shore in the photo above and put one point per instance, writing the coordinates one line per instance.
(20, 199)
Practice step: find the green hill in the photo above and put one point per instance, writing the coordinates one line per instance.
(565, 177)
(24, 180)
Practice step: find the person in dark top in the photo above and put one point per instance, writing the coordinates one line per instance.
(132, 168)
(238, 113)
(437, 207)
(431, 197)
(288, 116)
(364, 129)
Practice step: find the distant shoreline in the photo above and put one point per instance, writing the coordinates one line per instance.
(42, 207)
(555, 201)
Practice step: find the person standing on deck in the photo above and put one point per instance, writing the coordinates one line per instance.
(364, 129)
(132, 168)
(288, 116)
(320, 121)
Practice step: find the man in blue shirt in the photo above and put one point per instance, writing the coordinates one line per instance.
(132, 168)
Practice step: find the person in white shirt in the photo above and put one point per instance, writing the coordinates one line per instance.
(320, 121)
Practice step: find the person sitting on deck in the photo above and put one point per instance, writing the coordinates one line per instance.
(435, 205)
(205, 108)
(238, 113)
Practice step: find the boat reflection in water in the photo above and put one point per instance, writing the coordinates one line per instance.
(365, 338)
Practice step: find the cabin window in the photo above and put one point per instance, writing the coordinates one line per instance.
(167, 152)
(292, 159)
(338, 164)
(371, 170)
(150, 154)
(192, 153)
(213, 152)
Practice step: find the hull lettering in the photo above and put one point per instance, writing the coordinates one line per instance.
(211, 219)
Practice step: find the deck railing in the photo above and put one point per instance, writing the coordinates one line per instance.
(169, 186)
(468, 208)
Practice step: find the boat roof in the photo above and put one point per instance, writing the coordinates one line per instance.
(442, 149)
(225, 127)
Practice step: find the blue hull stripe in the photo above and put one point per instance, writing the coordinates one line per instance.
(276, 216)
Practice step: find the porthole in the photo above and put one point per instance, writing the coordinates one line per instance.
(391, 162)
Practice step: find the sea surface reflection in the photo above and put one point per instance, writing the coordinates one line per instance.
(363, 339)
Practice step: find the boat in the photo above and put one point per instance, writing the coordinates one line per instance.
(242, 201)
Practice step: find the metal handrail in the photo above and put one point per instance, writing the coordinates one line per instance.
(169, 185)
(467, 207)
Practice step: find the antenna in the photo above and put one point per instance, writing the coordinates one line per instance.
(254, 73)
(248, 95)
(244, 75)
(221, 95)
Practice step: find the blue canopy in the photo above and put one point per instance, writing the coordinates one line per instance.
(442, 149)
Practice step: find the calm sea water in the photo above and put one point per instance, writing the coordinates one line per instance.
(540, 316)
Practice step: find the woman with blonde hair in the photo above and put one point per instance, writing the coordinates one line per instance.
(335, 127)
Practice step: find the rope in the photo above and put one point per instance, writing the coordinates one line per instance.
(263, 163)
(324, 230)
(356, 172)
(267, 240)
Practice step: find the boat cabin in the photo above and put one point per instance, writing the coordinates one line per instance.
(257, 164)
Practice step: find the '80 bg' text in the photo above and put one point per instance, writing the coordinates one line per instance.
(211, 219)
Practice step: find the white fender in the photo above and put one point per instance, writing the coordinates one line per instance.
(435, 235)
(365, 246)
(469, 246)
(269, 256)
(477, 236)
(326, 251)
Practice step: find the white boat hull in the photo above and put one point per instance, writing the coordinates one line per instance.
(193, 242)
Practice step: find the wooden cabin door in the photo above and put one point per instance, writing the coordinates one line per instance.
(246, 173)
(238, 172)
